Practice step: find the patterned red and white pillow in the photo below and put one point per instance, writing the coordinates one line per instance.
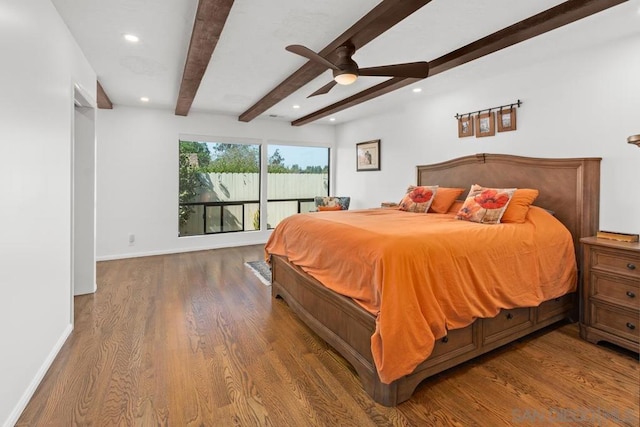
(485, 205)
(418, 198)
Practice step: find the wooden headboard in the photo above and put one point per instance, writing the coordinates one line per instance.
(569, 187)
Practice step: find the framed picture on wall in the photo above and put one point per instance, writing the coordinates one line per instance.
(368, 156)
(507, 120)
(485, 124)
(465, 126)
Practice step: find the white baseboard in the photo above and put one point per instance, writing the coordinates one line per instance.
(28, 393)
(261, 241)
(92, 291)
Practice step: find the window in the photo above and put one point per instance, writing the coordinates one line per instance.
(219, 189)
(296, 174)
(219, 184)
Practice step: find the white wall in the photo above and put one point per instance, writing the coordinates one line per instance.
(137, 176)
(84, 201)
(581, 99)
(40, 64)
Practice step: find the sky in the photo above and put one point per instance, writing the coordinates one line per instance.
(302, 156)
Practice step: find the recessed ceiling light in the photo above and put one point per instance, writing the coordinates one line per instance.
(131, 38)
(144, 99)
(332, 119)
(295, 107)
(417, 90)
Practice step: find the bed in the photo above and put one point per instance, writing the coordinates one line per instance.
(568, 187)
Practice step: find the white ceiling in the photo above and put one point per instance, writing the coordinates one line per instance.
(250, 58)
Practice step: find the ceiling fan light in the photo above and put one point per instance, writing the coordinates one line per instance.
(346, 78)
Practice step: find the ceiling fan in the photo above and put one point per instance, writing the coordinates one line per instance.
(346, 71)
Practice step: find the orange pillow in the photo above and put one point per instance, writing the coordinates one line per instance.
(444, 199)
(329, 208)
(519, 205)
(455, 206)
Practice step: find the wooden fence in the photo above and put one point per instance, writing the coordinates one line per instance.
(282, 192)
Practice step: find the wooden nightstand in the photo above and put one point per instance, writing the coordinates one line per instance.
(611, 292)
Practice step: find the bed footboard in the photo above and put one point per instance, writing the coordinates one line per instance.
(347, 328)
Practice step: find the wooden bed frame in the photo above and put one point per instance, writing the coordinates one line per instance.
(569, 187)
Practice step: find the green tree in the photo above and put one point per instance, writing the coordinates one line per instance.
(193, 156)
(295, 169)
(316, 169)
(276, 158)
(276, 163)
(188, 184)
(234, 158)
(200, 149)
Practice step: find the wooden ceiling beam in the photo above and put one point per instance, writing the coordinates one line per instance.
(360, 97)
(555, 17)
(550, 19)
(103, 100)
(382, 17)
(211, 17)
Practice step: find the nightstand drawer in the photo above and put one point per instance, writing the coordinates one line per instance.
(625, 324)
(615, 261)
(616, 290)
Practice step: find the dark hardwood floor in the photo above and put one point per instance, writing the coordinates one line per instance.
(195, 339)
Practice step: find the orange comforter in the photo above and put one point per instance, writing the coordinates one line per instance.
(422, 274)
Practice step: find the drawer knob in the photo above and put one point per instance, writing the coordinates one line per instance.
(631, 294)
(445, 339)
(631, 266)
(631, 326)
(509, 316)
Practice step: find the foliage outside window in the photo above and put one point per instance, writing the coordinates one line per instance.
(296, 175)
(219, 184)
(219, 187)
(193, 156)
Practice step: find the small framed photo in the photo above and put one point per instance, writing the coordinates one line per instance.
(368, 156)
(507, 120)
(485, 124)
(465, 126)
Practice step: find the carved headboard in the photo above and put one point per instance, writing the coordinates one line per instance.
(569, 187)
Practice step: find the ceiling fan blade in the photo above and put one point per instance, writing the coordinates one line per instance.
(418, 70)
(309, 54)
(324, 89)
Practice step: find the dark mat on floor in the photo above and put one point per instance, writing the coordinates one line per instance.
(260, 269)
